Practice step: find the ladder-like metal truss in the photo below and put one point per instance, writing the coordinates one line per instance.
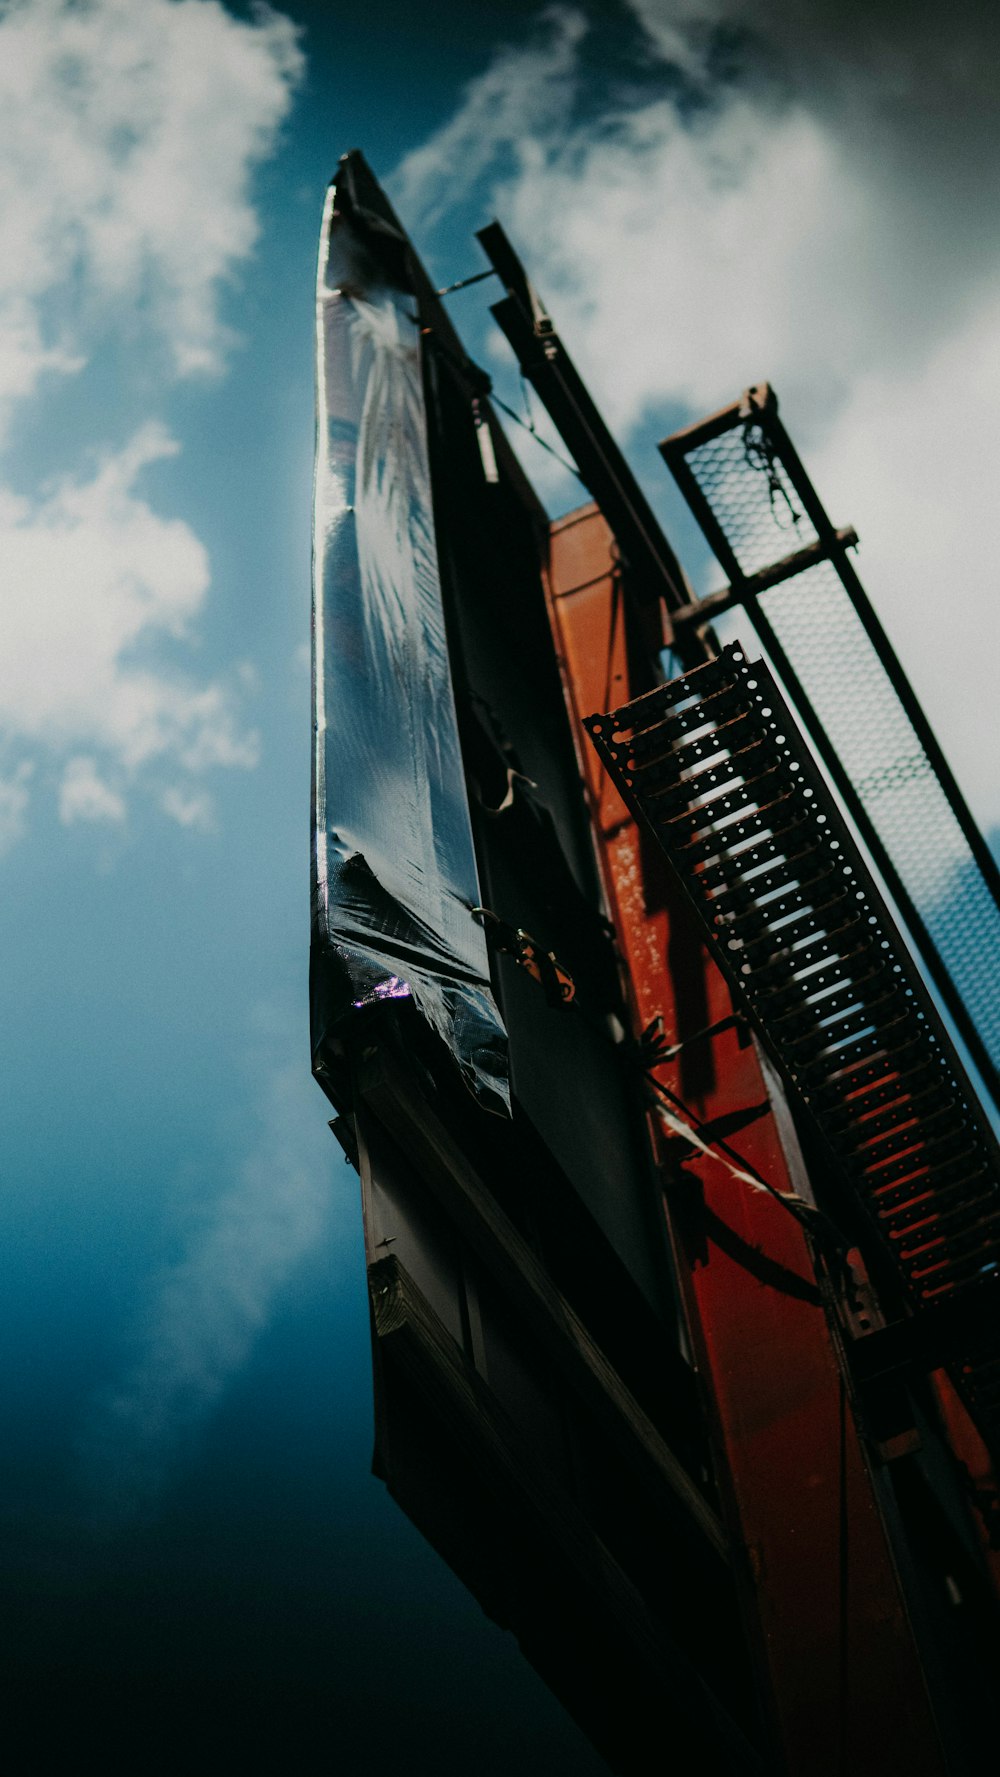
(790, 569)
(715, 767)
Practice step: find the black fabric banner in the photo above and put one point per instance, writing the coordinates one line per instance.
(394, 870)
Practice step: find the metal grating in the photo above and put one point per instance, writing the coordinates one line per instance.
(755, 503)
(714, 765)
(821, 635)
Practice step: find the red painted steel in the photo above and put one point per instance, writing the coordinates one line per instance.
(823, 1601)
(974, 1457)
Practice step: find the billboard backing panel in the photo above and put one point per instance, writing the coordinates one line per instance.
(394, 870)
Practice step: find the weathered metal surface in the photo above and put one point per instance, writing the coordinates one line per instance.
(714, 765)
(511, 1441)
(836, 1651)
(537, 1415)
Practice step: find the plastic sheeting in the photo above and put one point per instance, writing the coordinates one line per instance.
(394, 869)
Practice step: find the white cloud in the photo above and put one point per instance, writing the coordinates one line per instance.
(129, 136)
(688, 249)
(206, 1310)
(84, 796)
(14, 795)
(677, 274)
(94, 577)
(189, 808)
(532, 86)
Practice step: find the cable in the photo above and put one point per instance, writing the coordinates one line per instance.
(463, 283)
(469, 369)
(806, 1214)
(571, 468)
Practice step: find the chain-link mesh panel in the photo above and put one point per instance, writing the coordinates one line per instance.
(850, 690)
(757, 507)
(751, 496)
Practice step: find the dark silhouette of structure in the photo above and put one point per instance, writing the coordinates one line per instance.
(681, 1213)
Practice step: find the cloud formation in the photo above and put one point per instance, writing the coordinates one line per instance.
(533, 84)
(14, 795)
(94, 577)
(913, 106)
(130, 137)
(807, 207)
(205, 1311)
(130, 134)
(84, 796)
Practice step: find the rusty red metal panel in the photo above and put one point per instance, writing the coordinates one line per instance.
(824, 1605)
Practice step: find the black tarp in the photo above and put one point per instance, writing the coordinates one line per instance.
(394, 869)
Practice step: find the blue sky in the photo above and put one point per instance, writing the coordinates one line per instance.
(184, 1492)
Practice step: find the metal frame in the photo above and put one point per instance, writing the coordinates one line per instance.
(709, 763)
(654, 571)
(810, 1513)
(760, 405)
(471, 1209)
(550, 1577)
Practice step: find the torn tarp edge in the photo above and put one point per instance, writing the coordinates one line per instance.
(394, 870)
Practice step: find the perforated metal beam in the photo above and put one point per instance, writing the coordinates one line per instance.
(715, 767)
(744, 482)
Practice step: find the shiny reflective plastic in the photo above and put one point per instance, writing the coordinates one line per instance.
(394, 869)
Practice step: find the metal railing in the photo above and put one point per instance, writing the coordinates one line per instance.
(715, 767)
(789, 568)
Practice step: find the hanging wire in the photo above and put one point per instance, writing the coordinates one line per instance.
(806, 1214)
(487, 389)
(831, 1245)
(564, 462)
(463, 283)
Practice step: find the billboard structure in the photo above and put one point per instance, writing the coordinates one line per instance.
(680, 1212)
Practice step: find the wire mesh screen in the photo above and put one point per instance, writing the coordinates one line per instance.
(747, 488)
(848, 687)
(752, 498)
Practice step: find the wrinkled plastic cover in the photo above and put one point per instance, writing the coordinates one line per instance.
(394, 870)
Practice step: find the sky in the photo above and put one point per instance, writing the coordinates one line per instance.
(707, 193)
